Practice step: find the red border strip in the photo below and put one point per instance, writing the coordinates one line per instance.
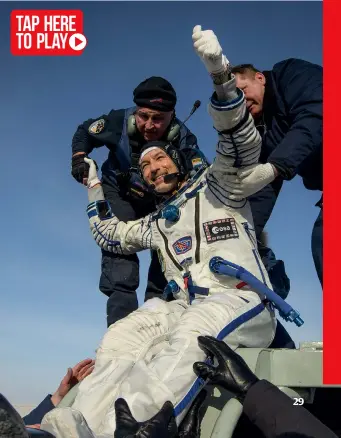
(332, 192)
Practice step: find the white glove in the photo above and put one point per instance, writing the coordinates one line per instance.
(250, 180)
(207, 47)
(104, 232)
(92, 178)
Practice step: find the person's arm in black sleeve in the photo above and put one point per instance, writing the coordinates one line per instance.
(92, 134)
(83, 140)
(300, 86)
(83, 144)
(35, 416)
(262, 204)
(265, 405)
(274, 413)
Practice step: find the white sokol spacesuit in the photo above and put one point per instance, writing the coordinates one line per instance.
(147, 358)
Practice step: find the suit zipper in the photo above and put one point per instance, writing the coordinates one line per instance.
(170, 255)
(197, 226)
(247, 230)
(255, 250)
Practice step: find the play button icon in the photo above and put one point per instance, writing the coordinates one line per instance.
(77, 42)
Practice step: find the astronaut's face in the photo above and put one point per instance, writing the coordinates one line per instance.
(154, 166)
(152, 124)
(253, 86)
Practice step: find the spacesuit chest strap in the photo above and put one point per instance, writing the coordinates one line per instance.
(192, 289)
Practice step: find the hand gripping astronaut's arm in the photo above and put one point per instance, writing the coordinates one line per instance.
(239, 142)
(109, 232)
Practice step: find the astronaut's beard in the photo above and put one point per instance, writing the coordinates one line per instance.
(167, 187)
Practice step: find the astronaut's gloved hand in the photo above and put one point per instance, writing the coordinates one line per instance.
(232, 372)
(79, 168)
(93, 179)
(161, 425)
(207, 47)
(190, 426)
(251, 180)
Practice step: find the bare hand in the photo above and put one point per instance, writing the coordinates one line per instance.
(72, 377)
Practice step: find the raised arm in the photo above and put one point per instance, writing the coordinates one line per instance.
(109, 232)
(239, 142)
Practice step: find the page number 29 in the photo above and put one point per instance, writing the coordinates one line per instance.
(298, 401)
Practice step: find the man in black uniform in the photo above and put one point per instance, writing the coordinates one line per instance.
(124, 132)
(286, 104)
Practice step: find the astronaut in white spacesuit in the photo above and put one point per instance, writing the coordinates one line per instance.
(147, 358)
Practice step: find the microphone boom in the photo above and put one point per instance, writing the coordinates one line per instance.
(196, 105)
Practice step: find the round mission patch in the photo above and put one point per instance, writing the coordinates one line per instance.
(97, 126)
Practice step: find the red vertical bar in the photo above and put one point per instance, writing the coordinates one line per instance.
(332, 192)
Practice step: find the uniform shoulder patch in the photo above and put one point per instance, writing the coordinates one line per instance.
(197, 162)
(97, 126)
(182, 245)
(220, 229)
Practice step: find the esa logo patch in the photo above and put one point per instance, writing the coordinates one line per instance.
(181, 246)
(220, 229)
(97, 127)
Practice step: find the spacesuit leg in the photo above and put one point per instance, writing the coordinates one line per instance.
(135, 338)
(239, 318)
